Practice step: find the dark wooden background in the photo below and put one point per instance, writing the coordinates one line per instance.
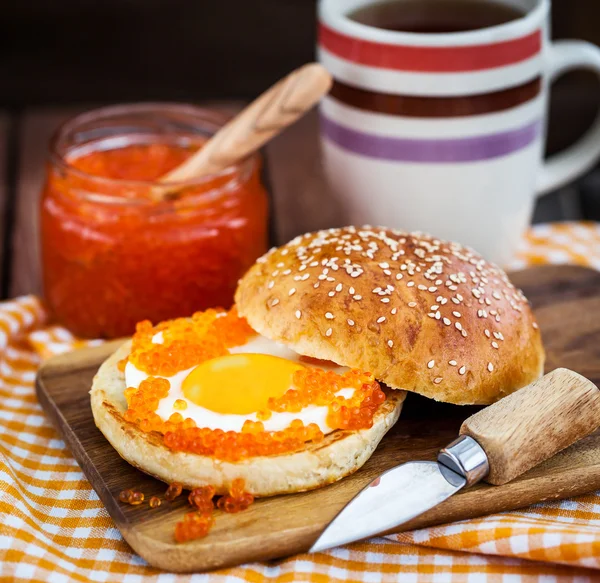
(61, 56)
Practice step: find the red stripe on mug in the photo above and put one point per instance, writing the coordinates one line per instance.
(427, 58)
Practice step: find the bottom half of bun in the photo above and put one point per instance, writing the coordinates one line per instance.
(316, 464)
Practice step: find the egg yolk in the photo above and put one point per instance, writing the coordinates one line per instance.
(239, 384)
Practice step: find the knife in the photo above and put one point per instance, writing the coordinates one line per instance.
(497, 444)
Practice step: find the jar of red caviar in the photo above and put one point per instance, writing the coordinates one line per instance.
(113, 253)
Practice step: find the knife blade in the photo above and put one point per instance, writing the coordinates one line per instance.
(498, 444)
(378, 507)
(404, 492)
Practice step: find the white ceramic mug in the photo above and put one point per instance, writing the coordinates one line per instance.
(445, 133)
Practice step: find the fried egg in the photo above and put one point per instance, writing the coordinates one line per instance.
(225, 392)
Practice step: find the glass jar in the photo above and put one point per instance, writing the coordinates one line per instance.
(112, 253)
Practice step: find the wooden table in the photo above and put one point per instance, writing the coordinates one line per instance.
(300, 201)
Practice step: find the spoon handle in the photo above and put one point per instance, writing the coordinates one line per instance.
(265, 117)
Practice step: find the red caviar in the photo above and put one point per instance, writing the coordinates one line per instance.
(154, 502)
(173, 491)
(112, 253)
(132, 497)
(188, 342)
(201, 499)
(237, 500)
(194, 525)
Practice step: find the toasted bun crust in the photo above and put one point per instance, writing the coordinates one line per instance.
(421, 314)
(339, 454)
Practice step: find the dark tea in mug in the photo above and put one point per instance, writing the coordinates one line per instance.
(435, 16)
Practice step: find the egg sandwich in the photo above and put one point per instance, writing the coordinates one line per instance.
(295, 386)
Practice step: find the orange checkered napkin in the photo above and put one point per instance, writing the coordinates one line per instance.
(54, 529)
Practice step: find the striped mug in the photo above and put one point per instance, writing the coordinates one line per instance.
(445, 132)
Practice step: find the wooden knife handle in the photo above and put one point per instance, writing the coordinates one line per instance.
(534, 423)
(270, 113)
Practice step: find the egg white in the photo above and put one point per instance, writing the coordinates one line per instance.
(206, 418)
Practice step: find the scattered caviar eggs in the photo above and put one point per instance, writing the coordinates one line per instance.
(196, 524)
(193, 526)
(237, 499)
(212, 386)
(132, 497)
(173, 491)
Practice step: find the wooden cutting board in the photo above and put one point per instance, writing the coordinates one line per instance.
(567, 304)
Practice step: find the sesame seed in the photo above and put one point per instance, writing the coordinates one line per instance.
(460, 298)
(464, 333)
(462, 369)
(298, 314)
(399, 276)
(535, 326)
(447, 322)
(387, 272)
(410, 284)
(350, 322)
(452, 362)
(274, 302)
(490, 366)
(385, 300)
(432, 289)
(339, 287)
(384, 265)
(455, 300)
(390, 343)
(444, 301)
(329, 315)
(438, 380)
(431, 364)
(316, 285)
(331, 294)
(381, 319)
(422, 287)
(487, 332)
(351, 291)
(494, 344)
(271, 284)
(437, 315)
(412, 304)
(434, 308)
(292, 291)
(497, 295)
(457, 314)
(458, 325)
(394, 310)
(357, 297)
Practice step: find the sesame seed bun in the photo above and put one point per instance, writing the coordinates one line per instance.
(316, 464)
(421, 314)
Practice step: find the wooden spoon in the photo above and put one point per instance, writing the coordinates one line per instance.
(256, 124)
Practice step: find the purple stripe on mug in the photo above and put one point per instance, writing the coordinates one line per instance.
(471, 149)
